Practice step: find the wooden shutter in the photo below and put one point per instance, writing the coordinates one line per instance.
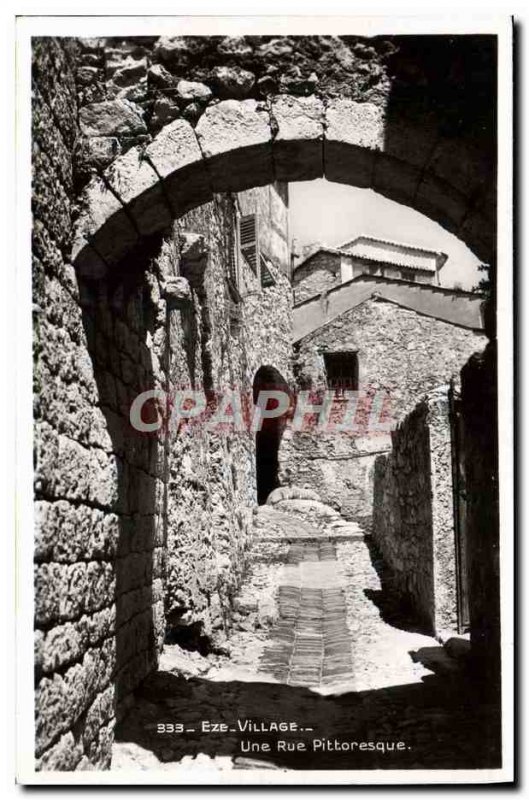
(233, 267)
(249, 241)
(267, 279)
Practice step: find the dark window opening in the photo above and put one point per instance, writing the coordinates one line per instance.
(341, 370)
(408, 275)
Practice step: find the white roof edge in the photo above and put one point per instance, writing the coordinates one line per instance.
(392, 242)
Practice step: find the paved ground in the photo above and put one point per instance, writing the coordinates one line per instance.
(319, 646)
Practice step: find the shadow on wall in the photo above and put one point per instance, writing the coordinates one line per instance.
(121, 319)
(445, 87)
(395, 608)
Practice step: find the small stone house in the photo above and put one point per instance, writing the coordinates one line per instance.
(326, 267)
(386, 343)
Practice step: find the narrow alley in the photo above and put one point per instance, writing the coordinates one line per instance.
(320, 671)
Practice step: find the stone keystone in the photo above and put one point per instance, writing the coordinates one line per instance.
(354, 134)
(177, 158)
(298, 144)
(236, 139)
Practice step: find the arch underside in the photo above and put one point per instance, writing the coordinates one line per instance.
(238, 145)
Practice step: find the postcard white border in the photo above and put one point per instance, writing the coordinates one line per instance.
(449, 23)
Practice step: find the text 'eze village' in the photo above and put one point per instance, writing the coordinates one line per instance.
(163, 262)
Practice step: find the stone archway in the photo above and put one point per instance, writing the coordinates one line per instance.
(237, 145)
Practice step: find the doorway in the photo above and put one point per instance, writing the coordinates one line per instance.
(268, 438)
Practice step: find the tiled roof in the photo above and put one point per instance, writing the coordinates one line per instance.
(388, 252)
(384, 251)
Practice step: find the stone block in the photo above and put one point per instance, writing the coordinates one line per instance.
(396, 179)
(178, 293)
(298, 143)
(193, 91)
(111, 118)
(411, 143)
(232, 82)
(354, 135)
(236, 140)
(64, 756)
(461, 164)
(95, 153)
(165, 111)
(479, 234)
(441, 202)
(61, 699)
(177, 158)
(104, 224)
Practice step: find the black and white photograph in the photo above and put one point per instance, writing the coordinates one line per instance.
(264, 520)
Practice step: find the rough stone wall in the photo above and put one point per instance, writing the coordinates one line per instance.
(130, 88)
(74, 588)
(99, 491)
(402, 355)
(212, 484)
(413, 514)
(95, 581)
(320, 273)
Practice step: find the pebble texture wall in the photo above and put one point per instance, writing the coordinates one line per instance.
(401, 354)
(320, 273)
(413, 514)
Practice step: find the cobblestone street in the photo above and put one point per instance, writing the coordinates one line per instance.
(318, 646)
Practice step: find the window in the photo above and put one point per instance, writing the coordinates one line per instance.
(249, 240)
(267, 279)
(408, 274)
(342, 370)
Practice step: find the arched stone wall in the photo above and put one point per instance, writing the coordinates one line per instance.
(410, 117)
(238, 144)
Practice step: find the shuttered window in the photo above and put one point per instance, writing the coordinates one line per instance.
(249, 240)
(233, 254)
(267, 279)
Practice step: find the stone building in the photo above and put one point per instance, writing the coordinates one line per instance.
(388, 342)
(151, 269)
(326, 267)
